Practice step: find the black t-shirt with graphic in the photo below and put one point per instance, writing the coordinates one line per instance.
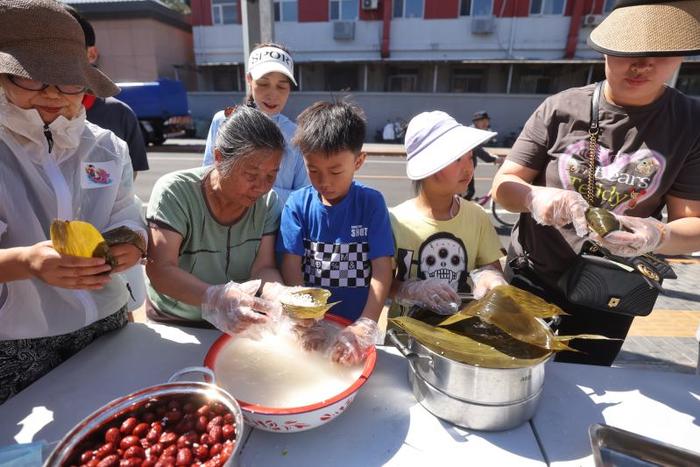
(644, 154)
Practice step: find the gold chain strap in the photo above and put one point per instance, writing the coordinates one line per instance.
(592, 148)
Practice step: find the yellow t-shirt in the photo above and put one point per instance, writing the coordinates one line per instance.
(448, 250)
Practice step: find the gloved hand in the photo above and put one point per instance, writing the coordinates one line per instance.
(233, 308)
(434, 294)
(558, 207)
(646, 235)
(352, 344)
(485, 279)
(313, 337)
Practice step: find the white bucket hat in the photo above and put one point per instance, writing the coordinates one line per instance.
(269, 59)
(434, 140)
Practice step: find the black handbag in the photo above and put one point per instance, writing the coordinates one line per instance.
(604, 282)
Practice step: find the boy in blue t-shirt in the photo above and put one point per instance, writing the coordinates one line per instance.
(336, 233)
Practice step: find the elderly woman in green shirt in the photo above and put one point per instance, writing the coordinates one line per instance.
(212, 230)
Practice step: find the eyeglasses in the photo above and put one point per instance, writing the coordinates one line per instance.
(34, 85)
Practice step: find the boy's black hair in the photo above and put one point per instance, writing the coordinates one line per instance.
(88, 30)
(330, 127)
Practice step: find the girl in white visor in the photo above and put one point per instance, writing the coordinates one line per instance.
(270, 78)
(442, 240)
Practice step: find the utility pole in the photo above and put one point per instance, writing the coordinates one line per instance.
(258, 25)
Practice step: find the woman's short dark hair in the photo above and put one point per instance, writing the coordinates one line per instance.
(244, 132)
(331, 127)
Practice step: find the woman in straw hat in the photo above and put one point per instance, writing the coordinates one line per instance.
(646, 157)
(55, 165)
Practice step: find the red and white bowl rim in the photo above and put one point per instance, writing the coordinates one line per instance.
(210, 359)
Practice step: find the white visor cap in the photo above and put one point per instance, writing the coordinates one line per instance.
(270, 59)
(434, 140)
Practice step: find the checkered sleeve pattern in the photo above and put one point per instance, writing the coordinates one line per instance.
(336, 264)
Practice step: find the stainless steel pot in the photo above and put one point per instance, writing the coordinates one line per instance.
(469, 414)
(467, 395)
(68, 446)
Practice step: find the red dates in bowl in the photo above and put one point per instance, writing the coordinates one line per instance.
(174, 424)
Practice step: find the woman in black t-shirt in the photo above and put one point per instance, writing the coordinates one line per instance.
(648, 158)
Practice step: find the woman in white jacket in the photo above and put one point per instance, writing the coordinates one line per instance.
(54, 165)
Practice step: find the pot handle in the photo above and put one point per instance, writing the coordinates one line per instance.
(410, 356)
(209, 376)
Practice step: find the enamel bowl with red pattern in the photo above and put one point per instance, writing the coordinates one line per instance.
(290, 419)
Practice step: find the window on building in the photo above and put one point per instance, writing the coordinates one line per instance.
(286, 10)
(689, 79)
(475, 7)
(345, 10)
(408, 8)
(466, 80)
(547, 7)
(608, 6)
(402, 80)
(341, 77)
(529, 79)
(224, 12)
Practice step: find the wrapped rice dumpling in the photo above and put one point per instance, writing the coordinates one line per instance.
(78, 238)
(601, 221)
(125, 235)
(307, 303)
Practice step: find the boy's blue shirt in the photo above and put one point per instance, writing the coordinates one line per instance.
(337, 243)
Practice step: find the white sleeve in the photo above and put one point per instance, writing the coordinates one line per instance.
(3, 228)
(126, 210)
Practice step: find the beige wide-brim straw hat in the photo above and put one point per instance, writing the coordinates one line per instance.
(649, 29)
(40, 40)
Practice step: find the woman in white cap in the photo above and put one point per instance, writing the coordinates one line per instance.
(441, 239)
(270, 78)
(53, 305)
(641, 156)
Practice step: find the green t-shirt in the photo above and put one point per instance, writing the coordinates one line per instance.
(213, 252)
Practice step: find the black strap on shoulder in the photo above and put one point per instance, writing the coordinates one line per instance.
(595, 105)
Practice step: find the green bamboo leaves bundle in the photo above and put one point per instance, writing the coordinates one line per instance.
(504, 329)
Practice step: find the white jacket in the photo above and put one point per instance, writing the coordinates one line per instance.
(86, 174)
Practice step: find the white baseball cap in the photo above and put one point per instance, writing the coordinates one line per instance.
(269, 59)
(434, 140)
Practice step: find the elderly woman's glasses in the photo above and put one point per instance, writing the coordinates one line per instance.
(34, 85)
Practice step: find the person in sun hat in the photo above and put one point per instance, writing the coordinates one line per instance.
(647, 159)
(55, 165)
(270, 79)
(440, 239)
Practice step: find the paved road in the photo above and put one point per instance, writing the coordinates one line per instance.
(664, 340)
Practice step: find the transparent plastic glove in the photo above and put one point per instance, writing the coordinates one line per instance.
(557, 207)
(313, 337)
(646, 235)
(433, 294)
(352, 344)
(485, 279)
(233, 308)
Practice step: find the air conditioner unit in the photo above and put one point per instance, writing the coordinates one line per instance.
(483, 24)
(592, 20)
(370, 4)
(344, 30)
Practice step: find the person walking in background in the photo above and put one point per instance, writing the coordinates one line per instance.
(110, 113)
(480, 121)
(270, 78)
(642, 156)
